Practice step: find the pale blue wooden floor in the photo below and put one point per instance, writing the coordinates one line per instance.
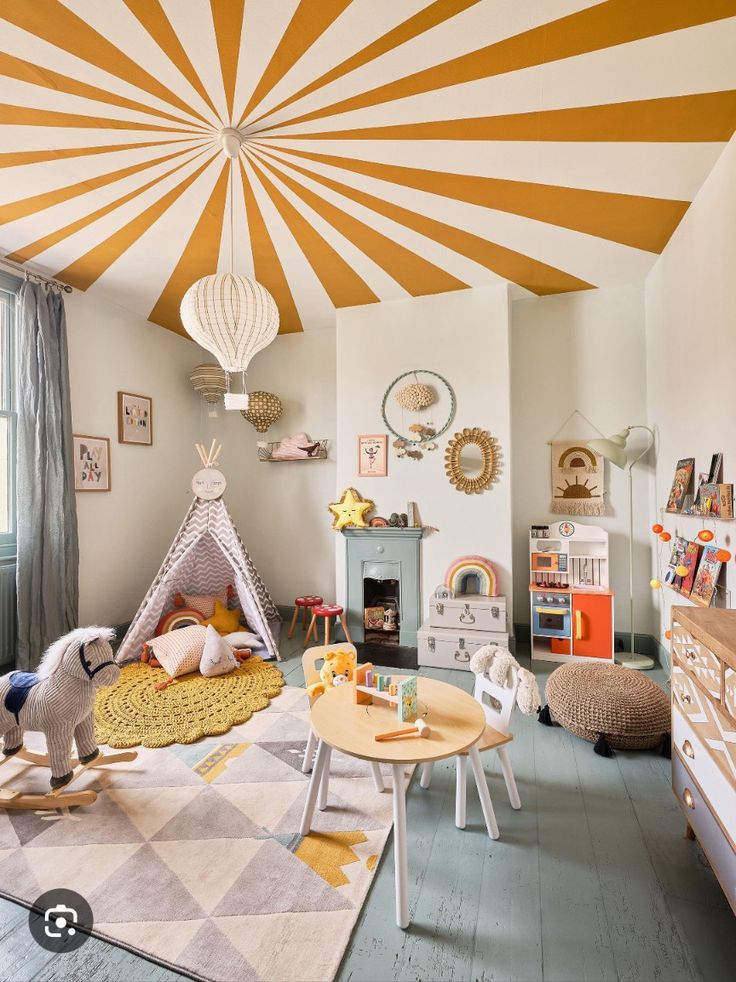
(591, 880)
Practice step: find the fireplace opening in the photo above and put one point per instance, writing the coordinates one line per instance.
(381, 611)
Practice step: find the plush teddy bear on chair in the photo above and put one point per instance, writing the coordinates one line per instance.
(337, 669)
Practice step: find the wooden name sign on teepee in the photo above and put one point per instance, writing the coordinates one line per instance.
(207, 555)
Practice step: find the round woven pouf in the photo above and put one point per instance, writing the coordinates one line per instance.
(610, 706)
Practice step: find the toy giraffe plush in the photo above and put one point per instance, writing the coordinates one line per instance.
(59, 699)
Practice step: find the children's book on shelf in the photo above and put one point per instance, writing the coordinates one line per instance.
(706, 578)
(690, 560)
(695, 508)
(681, 484)
(715, 473)
(716, 500)
(679, 547)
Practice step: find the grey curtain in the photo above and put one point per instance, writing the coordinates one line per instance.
(48, 548)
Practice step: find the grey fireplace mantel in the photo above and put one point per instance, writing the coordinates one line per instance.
(390, 553)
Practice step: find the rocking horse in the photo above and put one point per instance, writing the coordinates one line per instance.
(59, 701)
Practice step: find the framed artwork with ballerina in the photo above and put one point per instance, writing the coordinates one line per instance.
(373, 455)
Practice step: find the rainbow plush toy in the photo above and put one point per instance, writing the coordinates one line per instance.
(471, 569)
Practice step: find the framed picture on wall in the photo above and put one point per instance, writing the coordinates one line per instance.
(135, 419)
(91, 463)
(373, 455)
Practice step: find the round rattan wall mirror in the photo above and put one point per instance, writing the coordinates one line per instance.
(471, 460)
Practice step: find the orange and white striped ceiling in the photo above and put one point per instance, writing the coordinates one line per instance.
(393, 147)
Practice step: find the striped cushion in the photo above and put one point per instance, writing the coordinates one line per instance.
(180, 652)
(203, 603)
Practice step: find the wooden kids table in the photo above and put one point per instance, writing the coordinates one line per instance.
(457, 722)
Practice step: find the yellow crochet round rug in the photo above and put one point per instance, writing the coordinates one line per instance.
(133, 713)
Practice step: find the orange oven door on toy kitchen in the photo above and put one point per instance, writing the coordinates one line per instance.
(592, 626)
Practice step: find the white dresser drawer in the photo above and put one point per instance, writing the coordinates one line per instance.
(698, 659)
(440, 648)
(702, 764)
(709, 834)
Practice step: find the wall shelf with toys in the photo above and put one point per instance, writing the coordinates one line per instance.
(695, 568)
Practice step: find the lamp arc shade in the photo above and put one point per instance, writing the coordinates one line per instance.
(613, 448)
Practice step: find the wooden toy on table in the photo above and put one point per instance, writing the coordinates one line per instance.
(420, 729)
(370, 685)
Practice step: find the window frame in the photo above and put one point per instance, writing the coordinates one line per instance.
(9, 286)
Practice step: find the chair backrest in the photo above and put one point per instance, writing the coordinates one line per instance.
(498, 701)
(313, 658)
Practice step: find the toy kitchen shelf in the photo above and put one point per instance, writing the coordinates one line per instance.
(571, 602)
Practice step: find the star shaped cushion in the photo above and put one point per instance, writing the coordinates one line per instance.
(351, 509)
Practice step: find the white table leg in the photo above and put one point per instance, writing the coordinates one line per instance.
(508, 776)
(461, 770)
(309, 753)
(401, 870)
(377, 776)
(483, 794)
(324, 783)
(426, 775)
(314, 784)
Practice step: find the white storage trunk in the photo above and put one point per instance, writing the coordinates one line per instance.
(469, 613)
(450, 648)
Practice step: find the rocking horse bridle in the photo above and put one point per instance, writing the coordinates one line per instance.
(91, 672)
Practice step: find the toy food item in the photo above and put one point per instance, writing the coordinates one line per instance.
(338, 668)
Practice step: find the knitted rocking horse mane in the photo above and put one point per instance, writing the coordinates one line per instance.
(53, 657)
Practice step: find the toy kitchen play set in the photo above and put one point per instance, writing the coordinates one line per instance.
(571, 602)
(465, 613)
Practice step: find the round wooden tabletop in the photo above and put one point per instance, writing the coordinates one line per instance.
(455, 719)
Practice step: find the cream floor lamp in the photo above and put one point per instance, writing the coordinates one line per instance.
(614, 450)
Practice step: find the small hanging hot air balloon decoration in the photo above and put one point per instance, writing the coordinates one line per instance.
(211, 381)
(232, 316)
(264, 408)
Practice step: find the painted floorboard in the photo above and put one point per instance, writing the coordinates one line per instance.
(591, 880)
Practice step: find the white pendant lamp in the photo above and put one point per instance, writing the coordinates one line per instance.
(234, 317)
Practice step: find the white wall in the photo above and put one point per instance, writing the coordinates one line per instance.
(464, 337)
(580, 351)
(124, 534)
(281, 508)
(691, 349)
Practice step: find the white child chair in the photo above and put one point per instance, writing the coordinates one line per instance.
(498, 704)
(311, 662)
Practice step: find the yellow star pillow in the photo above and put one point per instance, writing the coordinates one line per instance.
(351, 509)
(223, 620)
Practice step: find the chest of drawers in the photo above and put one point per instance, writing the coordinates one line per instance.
(703, 683)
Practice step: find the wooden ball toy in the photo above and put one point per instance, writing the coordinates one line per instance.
(655, 584)
(665, 536)
(681, 570)
(657, 528)
(705, 535)
(723, 556)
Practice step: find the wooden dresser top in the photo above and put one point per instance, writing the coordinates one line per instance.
(714, 626)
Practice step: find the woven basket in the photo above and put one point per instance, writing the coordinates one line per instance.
(621, 703)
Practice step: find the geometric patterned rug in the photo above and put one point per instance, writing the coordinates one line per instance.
(191, 855)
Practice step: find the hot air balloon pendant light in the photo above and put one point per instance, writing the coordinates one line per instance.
(234, 317)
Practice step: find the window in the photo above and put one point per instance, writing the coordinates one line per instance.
(8, 289)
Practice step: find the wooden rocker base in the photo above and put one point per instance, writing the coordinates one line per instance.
(59, 797)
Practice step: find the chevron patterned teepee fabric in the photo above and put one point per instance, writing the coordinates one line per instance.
(206, 555)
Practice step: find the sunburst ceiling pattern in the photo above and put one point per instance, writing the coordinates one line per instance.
(392, 149)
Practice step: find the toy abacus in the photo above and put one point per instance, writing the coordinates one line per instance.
(370, 686)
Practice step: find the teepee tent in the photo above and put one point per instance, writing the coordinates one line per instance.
(206, 555)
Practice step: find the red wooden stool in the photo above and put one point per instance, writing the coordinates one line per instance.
(303, 604)
(328, 611)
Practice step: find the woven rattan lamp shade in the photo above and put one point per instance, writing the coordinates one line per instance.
(627, 707)
(264, 408)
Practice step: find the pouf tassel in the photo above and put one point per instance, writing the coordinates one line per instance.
(666, 748)
(544, 716)
(602, 746)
